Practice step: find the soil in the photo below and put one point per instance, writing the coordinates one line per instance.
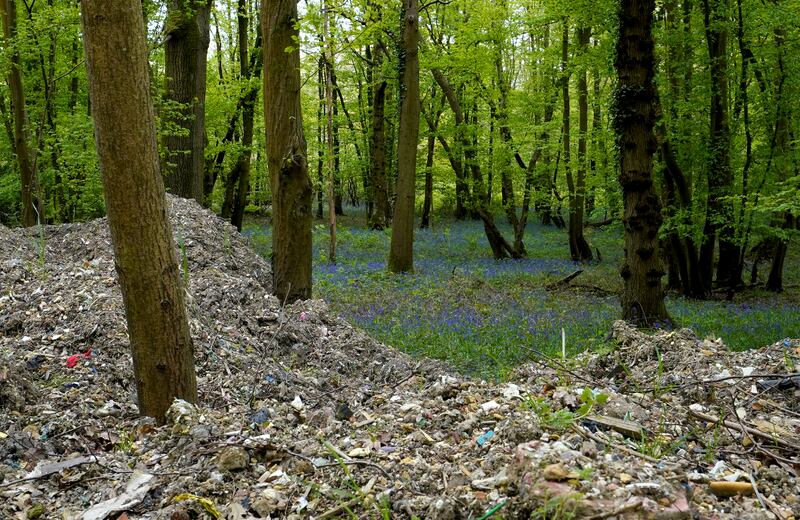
(302, 416)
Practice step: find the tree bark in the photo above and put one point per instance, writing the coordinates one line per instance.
(144, 251)
(320, 132)
(378, 155)
(578, 247)
(332, 139)
(248, 117)
(200, 139)
(32, 208)
(720, 221)
(500, 247)
(401, 252)
(286, 152)
(182, 44)
(783, 149)
(634, 117)
(584, 252)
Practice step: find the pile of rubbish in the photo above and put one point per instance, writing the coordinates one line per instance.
(300, 415)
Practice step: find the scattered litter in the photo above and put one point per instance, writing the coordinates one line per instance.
(301, 415)
(135, 491)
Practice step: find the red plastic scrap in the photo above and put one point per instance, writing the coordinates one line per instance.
(73, 360)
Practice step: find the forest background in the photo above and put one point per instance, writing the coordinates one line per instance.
(515, 134)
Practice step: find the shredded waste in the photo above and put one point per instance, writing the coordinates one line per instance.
(300, 415)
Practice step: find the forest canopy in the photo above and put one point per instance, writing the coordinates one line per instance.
(517, 111)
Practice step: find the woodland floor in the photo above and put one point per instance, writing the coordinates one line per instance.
(301, 415)
(487, 317)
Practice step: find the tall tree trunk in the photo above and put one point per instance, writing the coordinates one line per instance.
(427, 202)
(199, 138)
(320, 133)
(401, 252)
(634, 116)
(433, 127)
(720, 218)
(783, 149)
(337, 171)
(332, 144)
(337, 92)
(182, 44)
(286, 152)
(364, 110)
(32, 208)
(378, 153)
(579, 203)
(500, 247)
(144, 251)
(248, 116)
(504, 164)
(578, 247)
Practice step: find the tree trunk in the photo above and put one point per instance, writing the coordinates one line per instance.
(362, 165)
(783, 150)
(364, 110)
(337, 171)
(500, 247)
(378, 154)
(634, 116)
(332, 139)
(720, 218)
(578, 247)
(248, 116)
(32, 208)
(182, 44)
(427, 202)
(286, 152)
(401, 252)
(320, 133)
(144, 251)
(200, 139)
(579, 204)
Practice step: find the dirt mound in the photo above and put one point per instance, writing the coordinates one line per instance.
(301, 415)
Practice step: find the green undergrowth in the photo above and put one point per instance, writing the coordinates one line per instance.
(486, 316)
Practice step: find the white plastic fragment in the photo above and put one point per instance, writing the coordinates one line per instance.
(512, 392)
(297, 403)
(135, 491)
(489, 406)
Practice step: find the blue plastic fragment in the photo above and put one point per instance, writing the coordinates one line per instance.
(261, 416)
(483, 439)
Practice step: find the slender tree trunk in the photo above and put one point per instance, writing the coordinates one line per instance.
(365, 104)
(218, 42)
(32, 208)
(199, 138)
(578, 247)
(500, 247)
(182, 43)
(401, 252)
(634, 117)
(73, 82)
(378, 155)
(337, 171)
(320, 133)
(784, 148)
(144, 251)
(427, 202)
(584, 252)
(248, 116)
(362, 165)
(286, 152)
(332, 144)
(720, 218)
(433, 125)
